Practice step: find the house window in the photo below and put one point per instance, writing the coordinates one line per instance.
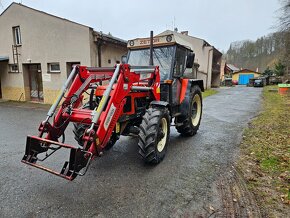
(16, 35)
(13, 68)
(54, 67)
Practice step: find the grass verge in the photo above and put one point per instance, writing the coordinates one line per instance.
(265, 155)
(208, 92)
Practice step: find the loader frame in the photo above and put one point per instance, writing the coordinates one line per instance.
(124, 81)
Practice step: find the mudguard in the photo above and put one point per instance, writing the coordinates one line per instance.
(185, 94)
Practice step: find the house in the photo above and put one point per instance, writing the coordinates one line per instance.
(227, 70)
(38, 51)
(207, 57)
(243, 76)
(230, 69)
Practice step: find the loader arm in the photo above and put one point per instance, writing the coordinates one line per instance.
(123, 79)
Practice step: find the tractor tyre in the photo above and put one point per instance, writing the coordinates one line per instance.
(154, 135)
(79, 129)
(187, 125)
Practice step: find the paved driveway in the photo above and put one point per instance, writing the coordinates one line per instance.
(119, 184)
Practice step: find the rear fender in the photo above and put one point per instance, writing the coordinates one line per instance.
(185, 93)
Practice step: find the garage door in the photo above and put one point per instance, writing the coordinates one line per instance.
(244, 78)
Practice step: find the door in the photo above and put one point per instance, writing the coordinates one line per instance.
(0, 89)
(244, 78)
(178, 71)
(35, 82)
(69, 68)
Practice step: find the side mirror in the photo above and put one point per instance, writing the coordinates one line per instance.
(124, 59)
(190, 60)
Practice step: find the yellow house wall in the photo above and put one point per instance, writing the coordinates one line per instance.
(236, 75)
(13, 93)
(50, 96)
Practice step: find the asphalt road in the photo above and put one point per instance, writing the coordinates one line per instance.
(118, 184)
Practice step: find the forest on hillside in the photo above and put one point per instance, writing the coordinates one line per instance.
(262, 53)
(271, 51)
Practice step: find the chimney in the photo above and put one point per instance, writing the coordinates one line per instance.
(184, 33)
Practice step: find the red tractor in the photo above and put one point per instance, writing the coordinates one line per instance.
(143, 96)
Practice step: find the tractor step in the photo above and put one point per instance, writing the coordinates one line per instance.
(78, 163)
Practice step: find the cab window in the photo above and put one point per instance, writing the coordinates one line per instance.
(180, 61)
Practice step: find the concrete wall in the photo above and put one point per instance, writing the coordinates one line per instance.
(46, 39)
(11, 84)
(203, 55)
(113, 53)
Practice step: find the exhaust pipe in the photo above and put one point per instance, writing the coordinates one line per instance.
(151, 49)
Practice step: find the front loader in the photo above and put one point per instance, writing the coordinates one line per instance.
(139, 98)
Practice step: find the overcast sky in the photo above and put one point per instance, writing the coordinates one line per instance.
(219, 22)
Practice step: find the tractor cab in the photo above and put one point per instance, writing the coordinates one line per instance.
(173, 56)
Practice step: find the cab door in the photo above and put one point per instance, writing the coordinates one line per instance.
(178, 70)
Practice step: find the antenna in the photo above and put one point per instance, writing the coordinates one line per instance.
(174, 22)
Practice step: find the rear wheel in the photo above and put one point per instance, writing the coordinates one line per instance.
(154, 135)
(187, 125)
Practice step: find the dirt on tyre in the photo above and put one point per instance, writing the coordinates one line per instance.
(154, 135)
(188, 124)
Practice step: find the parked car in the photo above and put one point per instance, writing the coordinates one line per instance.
(251, 82)
(235, 82)
(258, 83)
(228, 82)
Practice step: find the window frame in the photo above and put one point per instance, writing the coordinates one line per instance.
(17, 35)
(51, 70)
(170, 70)
(11, 70)
(182, 71)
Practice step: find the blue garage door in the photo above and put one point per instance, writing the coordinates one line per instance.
(244, 78)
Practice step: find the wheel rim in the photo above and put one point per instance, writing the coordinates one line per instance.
(162, 134)
(196, 110)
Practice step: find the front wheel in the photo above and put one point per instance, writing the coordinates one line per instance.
(154, 135)
(79, 130)
(188, 124)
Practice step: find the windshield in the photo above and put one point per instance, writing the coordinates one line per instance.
(162, 57)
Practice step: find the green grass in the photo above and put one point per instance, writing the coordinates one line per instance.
(209, 92)
(266, 142)
(268, 135)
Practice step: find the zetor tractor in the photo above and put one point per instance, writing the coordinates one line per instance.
(142, 96)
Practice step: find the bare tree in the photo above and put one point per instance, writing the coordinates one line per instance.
(284, 27)
(284, 18)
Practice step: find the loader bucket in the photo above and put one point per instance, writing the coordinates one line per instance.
(77, 164)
